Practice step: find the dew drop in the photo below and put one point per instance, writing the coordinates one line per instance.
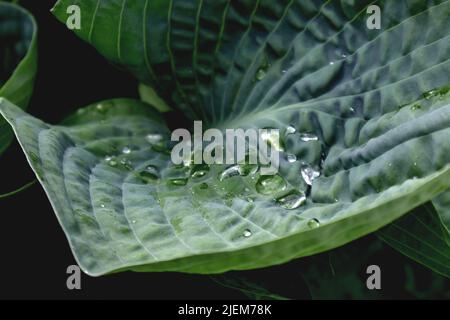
(290, 130)
(247, 233)
(270, 184)
(230, 172)
(133, 221)
(126, 150)
(291, 158)
(331, 63)
(127, 164)
(250, 199)
(313, 223)
(199, 171)
(149, 175)
(292, 200)
(283, 71)
(198, 174)
(112, 162)
(153, 138)
(102, 205)
(306, 137)
(309, 174)
(272, 137)
(100, 107)
(260, 74)
(238, 170)
(178, 181)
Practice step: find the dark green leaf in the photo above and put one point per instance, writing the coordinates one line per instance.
(421, 236)
(18, 61)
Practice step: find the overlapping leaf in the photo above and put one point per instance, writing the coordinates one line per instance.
(310, 68)
(18, 60)
(421, 236)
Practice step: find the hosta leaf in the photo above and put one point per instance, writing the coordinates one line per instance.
(123, 205)
(364, 113)
(421, 236)
(18, 60)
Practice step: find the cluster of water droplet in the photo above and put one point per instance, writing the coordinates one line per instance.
(274, 186)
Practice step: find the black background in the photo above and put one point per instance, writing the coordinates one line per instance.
(33, 249)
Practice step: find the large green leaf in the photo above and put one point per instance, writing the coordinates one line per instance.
(123, 204)
(305, 67)
(18, 61)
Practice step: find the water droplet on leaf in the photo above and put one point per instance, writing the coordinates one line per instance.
(313, 223)
(126, 150)
(309, 174)
(306, 137)
(272, 137)
(178, 181)
(199, 171)
(112, 162)
(149, 175)
(260, 74)
(270, 184)
(247, 233)
(154, 138)
(292, 200)
(238, 170)
(291, 158)
(290, 130)
(230, 172)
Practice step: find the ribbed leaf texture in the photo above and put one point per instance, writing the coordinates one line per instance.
(366, 111)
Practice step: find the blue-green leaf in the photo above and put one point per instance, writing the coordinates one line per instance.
(365, 112)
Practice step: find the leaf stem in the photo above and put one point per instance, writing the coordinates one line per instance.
(23, 188)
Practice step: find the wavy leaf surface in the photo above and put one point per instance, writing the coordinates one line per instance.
(364, 113)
